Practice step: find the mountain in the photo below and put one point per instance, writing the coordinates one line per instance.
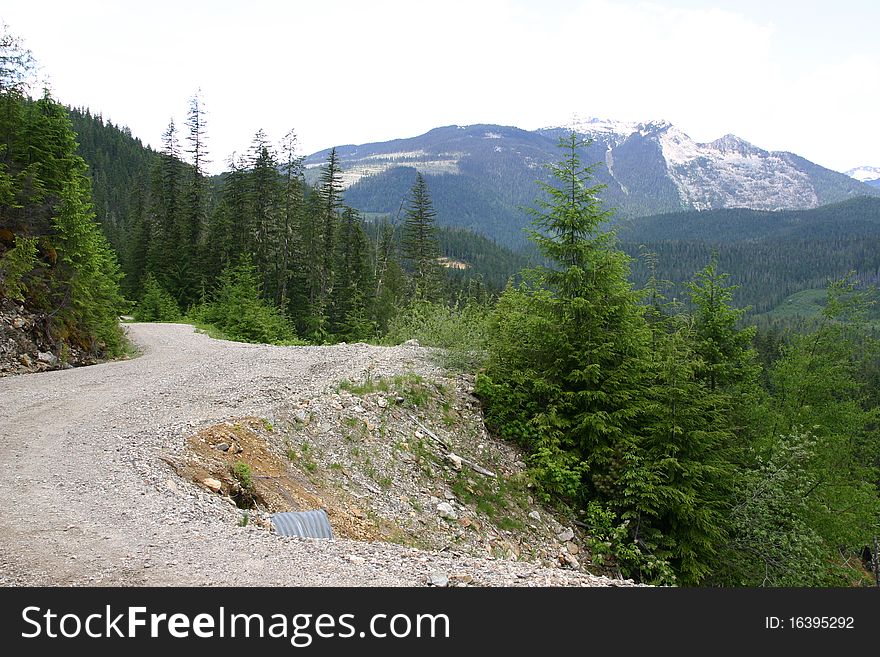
(866, 174)
(481, 176)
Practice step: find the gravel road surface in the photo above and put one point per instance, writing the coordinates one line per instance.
(86, 500)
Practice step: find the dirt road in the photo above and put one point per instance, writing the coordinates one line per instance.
(85, 498)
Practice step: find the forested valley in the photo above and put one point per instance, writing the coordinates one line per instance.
(694, 449)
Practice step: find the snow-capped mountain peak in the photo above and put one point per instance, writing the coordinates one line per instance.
(864, 173)
(611, 130)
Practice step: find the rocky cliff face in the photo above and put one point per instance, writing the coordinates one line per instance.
(27, 343)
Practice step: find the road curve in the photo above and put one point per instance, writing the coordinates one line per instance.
(80, 460)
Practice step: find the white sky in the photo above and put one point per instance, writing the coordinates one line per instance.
(790, 75)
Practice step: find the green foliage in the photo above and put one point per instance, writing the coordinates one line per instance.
(725, 351)
(460, 330)
(245, 495)
(817, 387)
(243, 474)
(92, 299)
(15, 265)
(772, 542)
(611, 545)
(156, 304)
(566, 347)
(237, 309)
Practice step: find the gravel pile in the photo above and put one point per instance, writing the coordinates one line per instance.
(88, 497)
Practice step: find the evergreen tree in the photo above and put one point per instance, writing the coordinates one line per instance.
(168, 257)
(331, 201)
(290, 244)
(390, 279)
(349, 308)
(609, 406)
(195, 215)
(237, 307)
(156, 305)
(265, 191)
(17, 63)
(45, 195)
(568, 349)
(419, 240)
(726, 352)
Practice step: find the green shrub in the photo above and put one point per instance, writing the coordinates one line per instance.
(156, 304)
(238, 310)
(242, 472)
(459, 329)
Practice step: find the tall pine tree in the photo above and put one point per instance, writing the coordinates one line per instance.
(419, 240)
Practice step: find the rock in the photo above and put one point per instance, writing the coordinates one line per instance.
(565, 535)
(572, 548)
(18, 323)
(355, 559)
(440, 580)
(465, 522)
(170, 485)
(534, 515)
(213, 485)
(455, 459)
(25, 360)
(223, 447)
(301, 416)
(449, 495)
(381, 402)
(461, 578)
(46, 357)
(412, 343)
(445, 510)
(358, 409)
(569, 560)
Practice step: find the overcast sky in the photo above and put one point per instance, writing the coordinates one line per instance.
(798, 75)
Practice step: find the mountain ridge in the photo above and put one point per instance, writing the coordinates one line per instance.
(481, 176)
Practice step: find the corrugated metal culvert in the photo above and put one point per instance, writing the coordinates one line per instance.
(306, 524)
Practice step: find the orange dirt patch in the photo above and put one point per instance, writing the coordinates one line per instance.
(277, 484)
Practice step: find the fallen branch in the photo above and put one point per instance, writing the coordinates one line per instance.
(477, 468)
(433, 436)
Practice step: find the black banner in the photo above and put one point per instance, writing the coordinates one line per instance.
(434, 621)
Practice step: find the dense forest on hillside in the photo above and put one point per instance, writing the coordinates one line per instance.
(649, 417)
(770, 255)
